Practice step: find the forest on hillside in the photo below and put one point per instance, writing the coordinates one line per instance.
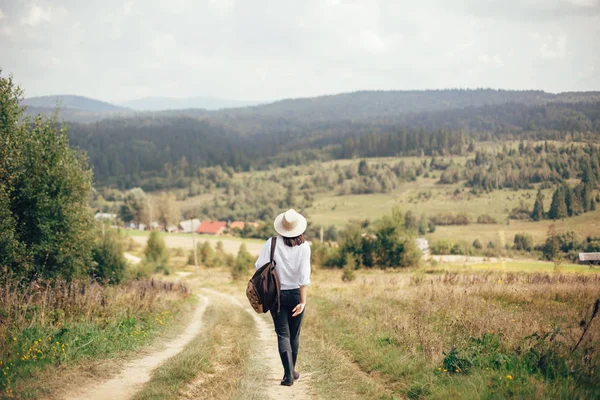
(144, 150)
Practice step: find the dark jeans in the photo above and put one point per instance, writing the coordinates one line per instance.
(286, 326)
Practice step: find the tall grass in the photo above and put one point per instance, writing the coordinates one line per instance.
(51, 324)
(450, 335)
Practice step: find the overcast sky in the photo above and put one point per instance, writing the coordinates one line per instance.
(265, 50)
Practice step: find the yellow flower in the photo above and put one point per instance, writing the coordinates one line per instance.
(15, 339)
(509, 377)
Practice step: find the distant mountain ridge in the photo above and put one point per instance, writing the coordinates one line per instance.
(74, 102)
(353, 106)
(171, 103)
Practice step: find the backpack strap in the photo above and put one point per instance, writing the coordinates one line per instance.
(273, 244)
(275, 277)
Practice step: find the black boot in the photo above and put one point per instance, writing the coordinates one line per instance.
(294, 358)
(288, 368)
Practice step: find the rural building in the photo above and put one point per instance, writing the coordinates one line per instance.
(212, 227)
(190, 225)
(589, 258)
(237, 225)
(423, 245)
(172, 229)
(105, 216)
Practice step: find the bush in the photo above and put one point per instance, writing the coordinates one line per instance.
(477, 244)
(242, 263)
(349, 274)
(523, 242)
(486, 219)
(47, 230)
(109, 260)
(156, 254)
(451, 219)
(441, 247)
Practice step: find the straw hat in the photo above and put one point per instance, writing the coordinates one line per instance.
(290, 224)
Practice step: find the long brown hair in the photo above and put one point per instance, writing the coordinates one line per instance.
(293, 241)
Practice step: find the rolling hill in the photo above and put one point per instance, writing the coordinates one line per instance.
(72, 102)
(168, 103)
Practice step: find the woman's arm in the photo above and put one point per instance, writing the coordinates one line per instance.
(300, 307)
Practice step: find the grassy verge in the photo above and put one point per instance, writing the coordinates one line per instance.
(214, 365)
(48, 328)
(472, 335)
(517, 266)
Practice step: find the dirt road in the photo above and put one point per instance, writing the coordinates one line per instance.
(270, 355)
(138, 372)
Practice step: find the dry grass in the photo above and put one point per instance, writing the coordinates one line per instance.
(397, 327)
(54, 325)
(213, 366)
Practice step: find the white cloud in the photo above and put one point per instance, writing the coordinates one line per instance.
(127, 7)
(290, 48)
(495, 60)
(36, 15)
(370, 41)
(551, 47)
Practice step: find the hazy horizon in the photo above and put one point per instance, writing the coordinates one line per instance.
(118, 52)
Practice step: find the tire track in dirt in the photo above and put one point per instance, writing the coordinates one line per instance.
(273, 389)
(138, 372)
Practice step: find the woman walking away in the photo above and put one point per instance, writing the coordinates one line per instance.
(292, 257)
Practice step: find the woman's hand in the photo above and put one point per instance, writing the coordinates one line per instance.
(298, 309)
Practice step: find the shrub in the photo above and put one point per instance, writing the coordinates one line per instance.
(107, 253)
(242, 263)
(486, 219)
(156, 253)
(523, 241)
(451, 219)
(477, 244)
(349, 273)
(46, 227)
(441, 247)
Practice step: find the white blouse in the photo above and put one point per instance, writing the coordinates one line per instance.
(293, 263)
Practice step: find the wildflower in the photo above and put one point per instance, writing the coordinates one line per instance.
(14, 339)
(445, 370)
(439, 369)
(499, 281)
(509, 377)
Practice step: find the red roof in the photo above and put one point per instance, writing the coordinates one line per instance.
(211, 227)
(237, 224)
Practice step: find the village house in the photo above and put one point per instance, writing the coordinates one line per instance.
(237, 225)
(589, 258)
(189, 225)
(212, 227)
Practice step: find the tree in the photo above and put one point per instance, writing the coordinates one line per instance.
(156, 253)
(558, 208)
(363, 168)
(538, 208)
(110, 261)
(410, 221)
(137, 207)
(423, 225)
(46, 224)
(168, 212)
(523, 241)
(242, 262)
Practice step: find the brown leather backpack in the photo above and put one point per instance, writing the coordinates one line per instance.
(263, 289)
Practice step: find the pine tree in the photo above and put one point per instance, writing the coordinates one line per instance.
(558, 208)
(538, 208)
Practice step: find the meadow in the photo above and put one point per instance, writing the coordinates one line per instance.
(447, 332)
(55, 334)
(423, 196)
